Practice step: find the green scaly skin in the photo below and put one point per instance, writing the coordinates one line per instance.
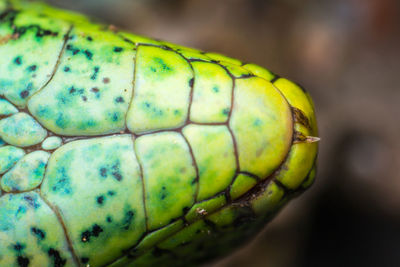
(119, 150)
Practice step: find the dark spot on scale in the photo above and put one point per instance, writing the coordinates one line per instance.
(84, 260)
(109, 219)
(95, 231)
(31, 202)
(18, 247)
(32, 68)
(100, 200)
(57, 259)
(163, 194)
(22, 261)
(191, 82)
(225, 111)
(111, 193)
(103, 172)
(119, 99)
(129, 215)
(116, 172)
(118, 49)
(84, 98)
(24, 94)
(72, 90)
(89, 38)
(67, 69)
(106, 80)
(117, 176)
(18, 60)
(38, 233)
(74, 51)
(88, 54)
(94, 75)
(95, 90)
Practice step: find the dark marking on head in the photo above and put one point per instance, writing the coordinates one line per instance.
(89, 38)
(103, 172)
(58, 261)
(96, 71)
(95, 231)
(88, 54)
(22, 261)
(119, 99)
(100, 200)
(18, 247)
(18, 60)
(24, 94)
(32, 68)
(38, 233)
(118, 49)
(31, 202)
(129, 216)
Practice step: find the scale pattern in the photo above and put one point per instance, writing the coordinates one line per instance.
(119, 150)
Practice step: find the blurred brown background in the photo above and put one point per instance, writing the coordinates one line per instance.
(346, 53)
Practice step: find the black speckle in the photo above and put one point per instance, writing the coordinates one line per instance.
(111, 193)
(22, 261)
(109, 219)
(67, 69)
(106, 80)
(117, 176)
(18, 247)
(116, 172)
(94, 75)
(18, 60)
(84, 98)
(118, 49)
(88, 54)
(72, 90)
(57, 260)
(24, 94)
(32, 68)
(103, 172)
(84, 260)
(85, 236)
(31, 202)
(100, 200)
(38, 233)
(89, 38)
(95, 90)
(119, 99)
(96, 230)
(129, 215)
(191, 82)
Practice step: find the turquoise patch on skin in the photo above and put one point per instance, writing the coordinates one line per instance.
(31, 233)
(21, 130)
(27, 174)
(6, 108)
(9, 155)
(51, 143)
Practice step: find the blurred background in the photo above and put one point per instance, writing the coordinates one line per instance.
(346, 54)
